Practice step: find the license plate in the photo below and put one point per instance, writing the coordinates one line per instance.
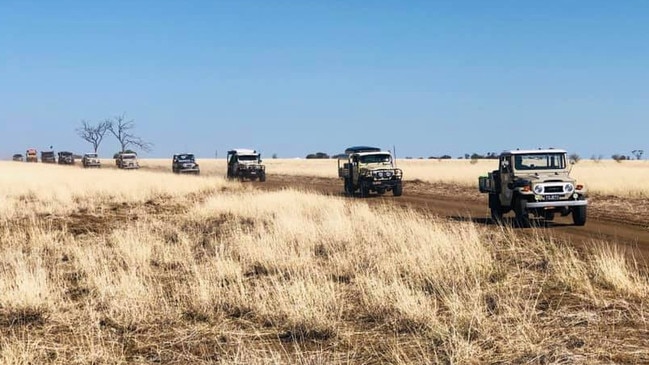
(553, 197)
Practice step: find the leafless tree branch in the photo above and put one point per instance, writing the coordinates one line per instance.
(121, 128)
(93, 134)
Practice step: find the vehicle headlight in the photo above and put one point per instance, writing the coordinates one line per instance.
(538, 189)
(568, 188)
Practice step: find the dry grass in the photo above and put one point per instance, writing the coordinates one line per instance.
(116, 267)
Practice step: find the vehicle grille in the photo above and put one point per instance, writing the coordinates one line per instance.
(554, 189)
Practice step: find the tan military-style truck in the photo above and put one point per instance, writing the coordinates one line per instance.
(366, 169)
(31, 155)
(127, 161)
(534, 182)
(91, 160)
(245, 164)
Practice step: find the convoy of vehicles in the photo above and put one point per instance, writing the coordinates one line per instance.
(534, 182)
(528, 182)
(245, 164)
(367, 169)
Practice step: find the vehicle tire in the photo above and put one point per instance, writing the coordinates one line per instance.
(262, 177)
(548, 216)
(522, 215)
(579, 215)
(397, 190)
(365, 189)
(349, 190)
(496, 209)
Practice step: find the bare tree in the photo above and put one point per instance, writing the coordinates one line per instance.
(93, 133)
(121, 129)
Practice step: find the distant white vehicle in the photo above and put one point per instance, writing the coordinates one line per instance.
(127, 161)
(90, 160)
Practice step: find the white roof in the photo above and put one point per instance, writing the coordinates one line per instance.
(526, 152)
(372, 153)
(245, 151)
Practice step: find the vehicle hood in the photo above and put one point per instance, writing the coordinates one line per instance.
(541, 177)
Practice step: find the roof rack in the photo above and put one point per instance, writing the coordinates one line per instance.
(358, 149)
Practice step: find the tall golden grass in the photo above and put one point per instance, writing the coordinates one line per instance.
(107, 266)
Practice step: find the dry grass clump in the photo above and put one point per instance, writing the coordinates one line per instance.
(196, 273)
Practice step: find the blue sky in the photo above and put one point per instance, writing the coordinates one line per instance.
(294, 77)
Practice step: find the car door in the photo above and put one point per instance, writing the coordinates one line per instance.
(506, 176)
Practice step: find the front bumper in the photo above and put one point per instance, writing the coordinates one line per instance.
(250, 172)
(381, 184)
(556, 204)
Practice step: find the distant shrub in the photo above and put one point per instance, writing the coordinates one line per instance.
(317, 155)
(618, 158)
(574, 157)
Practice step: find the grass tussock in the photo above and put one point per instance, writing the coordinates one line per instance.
(213, 273)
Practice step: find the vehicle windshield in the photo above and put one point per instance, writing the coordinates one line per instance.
(128, 157)
(540, 161)
(247, 158)
(185, 157)
(378, 158)
(91, 155)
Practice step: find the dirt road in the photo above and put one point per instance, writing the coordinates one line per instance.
(628, 231)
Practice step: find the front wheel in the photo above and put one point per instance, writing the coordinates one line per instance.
(579, 215)
(397, 190)
(365, 190)
(349, 189)
(496, 209)
(522, 215)
(262, 177)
